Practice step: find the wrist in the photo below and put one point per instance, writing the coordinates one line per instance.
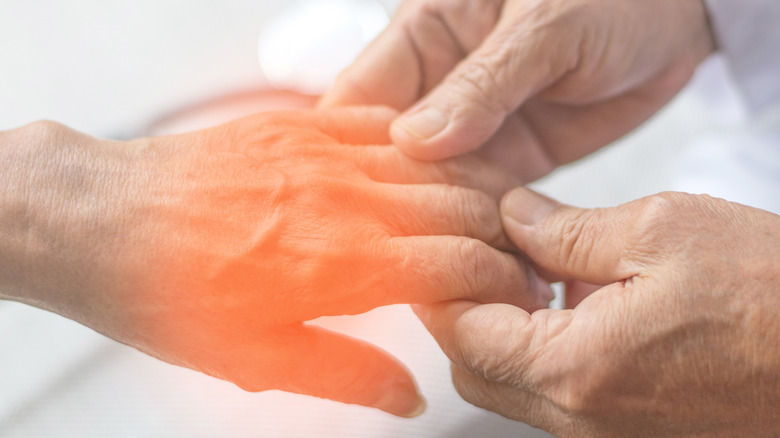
(57, 195)
(20, 153)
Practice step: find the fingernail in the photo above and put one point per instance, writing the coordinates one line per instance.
(526, 206)
(425, 124)
(402, 401)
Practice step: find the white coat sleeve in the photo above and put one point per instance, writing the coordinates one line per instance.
(748, 34)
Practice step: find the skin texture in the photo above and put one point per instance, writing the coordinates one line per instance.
(212, 249)
(530, 84)
(680, 341)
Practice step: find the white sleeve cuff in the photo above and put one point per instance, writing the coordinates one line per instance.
(748, 34)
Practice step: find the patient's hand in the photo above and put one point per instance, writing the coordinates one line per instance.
(211, 249)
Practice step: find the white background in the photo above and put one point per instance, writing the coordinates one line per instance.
(108, 68)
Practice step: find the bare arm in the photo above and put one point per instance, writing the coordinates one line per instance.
(212, 249)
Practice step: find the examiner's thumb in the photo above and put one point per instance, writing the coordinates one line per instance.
(457, 117)
(472, 102)
(569, 242)
(469, 106)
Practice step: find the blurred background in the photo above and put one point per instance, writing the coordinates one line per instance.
(124, 69)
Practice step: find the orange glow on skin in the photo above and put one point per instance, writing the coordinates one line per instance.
(236, 236)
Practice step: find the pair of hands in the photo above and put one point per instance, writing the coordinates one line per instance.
(212, 249)
(677, 338)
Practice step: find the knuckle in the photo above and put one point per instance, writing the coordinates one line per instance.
(489, 357)
(669, 223)
(494, 364)
(578, 394)
(577, 239)
(475, 267)
(586, 396)
(480, 210)
(487, 218)
(471, 260)
(668, 208)
(47, 126)
(659, 210)
(47, 130)
(574, 402)
(478, 80)
(658, 216)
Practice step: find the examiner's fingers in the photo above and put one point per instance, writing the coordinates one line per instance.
(386, 73)
(424, 41)
(317, 362)
(499, 342)
(596, 246)
(434, 269)
(527, 406)
(486, 339)
(590, 125)
(469, 106)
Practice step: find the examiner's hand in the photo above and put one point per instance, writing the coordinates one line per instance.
(211, 249)
(548, 81)
(680, 342)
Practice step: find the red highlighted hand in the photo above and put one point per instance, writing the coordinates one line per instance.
(211, 249)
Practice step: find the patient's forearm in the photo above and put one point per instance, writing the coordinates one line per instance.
(26, 229)
(55, 195)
